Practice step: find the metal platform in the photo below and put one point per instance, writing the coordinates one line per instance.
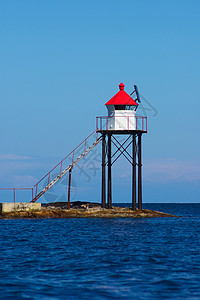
(119, 132)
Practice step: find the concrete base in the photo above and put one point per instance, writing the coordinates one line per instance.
(20, 206)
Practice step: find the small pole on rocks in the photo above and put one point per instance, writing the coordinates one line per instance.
(69, 188)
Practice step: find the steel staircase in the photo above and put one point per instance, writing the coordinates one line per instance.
(62, 173)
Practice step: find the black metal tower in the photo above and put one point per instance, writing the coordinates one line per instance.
(134, 139)
(111, 128)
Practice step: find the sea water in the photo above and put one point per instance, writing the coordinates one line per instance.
(157, 258)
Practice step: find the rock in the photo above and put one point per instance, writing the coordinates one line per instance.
(80, 209)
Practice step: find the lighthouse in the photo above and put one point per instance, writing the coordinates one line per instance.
(121, 111)
(122, 120)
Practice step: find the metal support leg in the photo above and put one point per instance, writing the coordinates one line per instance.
(69, 188)
(103, 188)
(134, 173)
(139, 171)
(109, 173)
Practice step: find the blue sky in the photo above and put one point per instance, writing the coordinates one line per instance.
(62, 60)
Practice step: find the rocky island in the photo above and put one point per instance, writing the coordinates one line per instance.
(79, 209)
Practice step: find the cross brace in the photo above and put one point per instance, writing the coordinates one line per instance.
(135, 159)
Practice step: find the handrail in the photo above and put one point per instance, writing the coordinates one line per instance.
(140, 122)
(67, 169)
(14, 190)
(62, 171)
(64, 158)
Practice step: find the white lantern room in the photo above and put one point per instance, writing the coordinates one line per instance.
(121, 111)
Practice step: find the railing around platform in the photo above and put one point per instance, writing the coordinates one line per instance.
(137, 123)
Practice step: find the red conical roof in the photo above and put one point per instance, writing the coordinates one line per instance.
(121, 98)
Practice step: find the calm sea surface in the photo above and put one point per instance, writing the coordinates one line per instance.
(155, 258)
